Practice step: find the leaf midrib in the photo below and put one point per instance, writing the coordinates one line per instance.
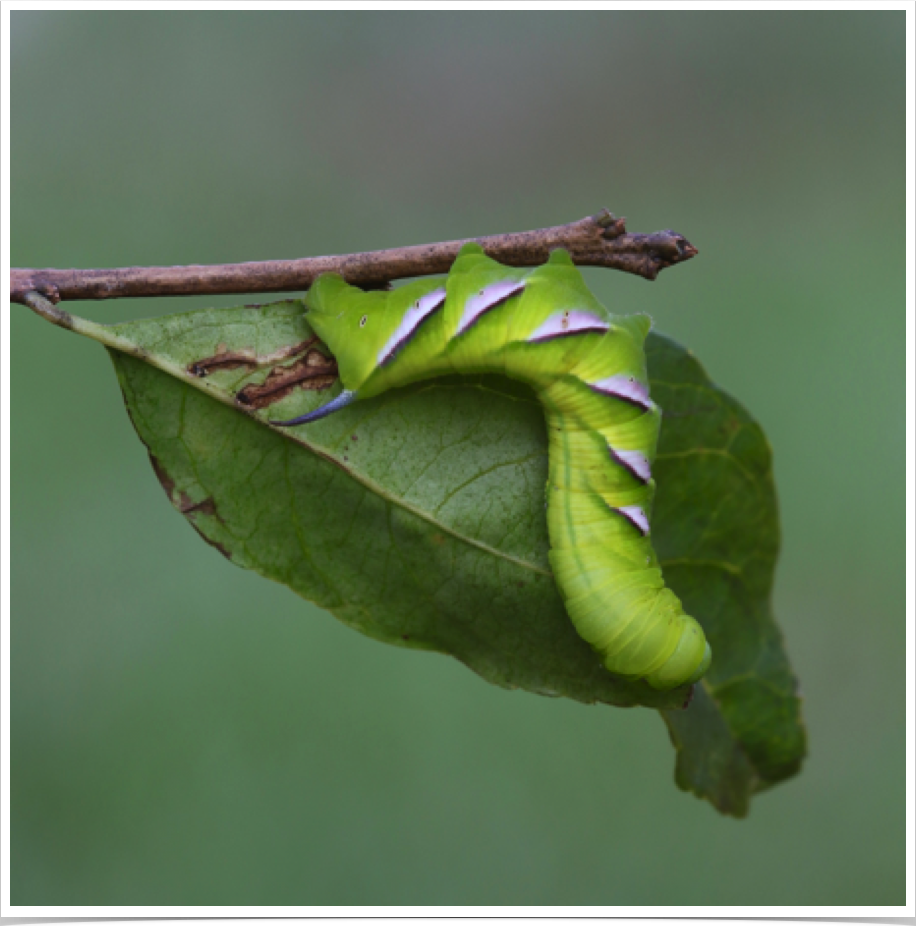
(116, 341)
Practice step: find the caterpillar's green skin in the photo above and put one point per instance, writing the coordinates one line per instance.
(588, 368)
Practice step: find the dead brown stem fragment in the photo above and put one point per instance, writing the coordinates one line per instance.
(313, 371)
(229, 360)
(595, 241)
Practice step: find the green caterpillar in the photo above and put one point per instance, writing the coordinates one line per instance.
(588, 369)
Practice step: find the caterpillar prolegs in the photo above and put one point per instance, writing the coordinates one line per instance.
(588, 368)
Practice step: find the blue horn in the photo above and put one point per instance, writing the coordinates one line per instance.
(344, 399)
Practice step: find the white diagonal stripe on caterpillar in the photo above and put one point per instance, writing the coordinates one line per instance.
(411, 321)
(488, 298)
(628, 388)
(637, 463)
(636, 516)
(571, 321)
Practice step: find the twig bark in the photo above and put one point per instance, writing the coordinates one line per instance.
(595, 241)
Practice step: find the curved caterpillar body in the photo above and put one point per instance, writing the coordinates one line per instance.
(588, 369)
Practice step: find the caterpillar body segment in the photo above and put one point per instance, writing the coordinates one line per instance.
(588, 368)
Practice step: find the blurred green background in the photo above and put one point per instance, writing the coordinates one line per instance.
(188, 733)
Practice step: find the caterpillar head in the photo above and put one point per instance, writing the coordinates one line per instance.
(339, 314)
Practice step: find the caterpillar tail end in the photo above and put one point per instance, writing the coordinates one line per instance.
(344, 399)
(687, 664)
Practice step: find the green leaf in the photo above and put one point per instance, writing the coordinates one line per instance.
(716, 530)
(418, 519)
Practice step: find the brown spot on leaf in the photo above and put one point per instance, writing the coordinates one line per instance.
(688, 697)
(213, 543)
(233, 359)
(188, 506)
(313, 371)
(185, 504)
(165, 480)
(438, 539)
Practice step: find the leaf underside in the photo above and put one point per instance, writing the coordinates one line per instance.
(417, 518)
